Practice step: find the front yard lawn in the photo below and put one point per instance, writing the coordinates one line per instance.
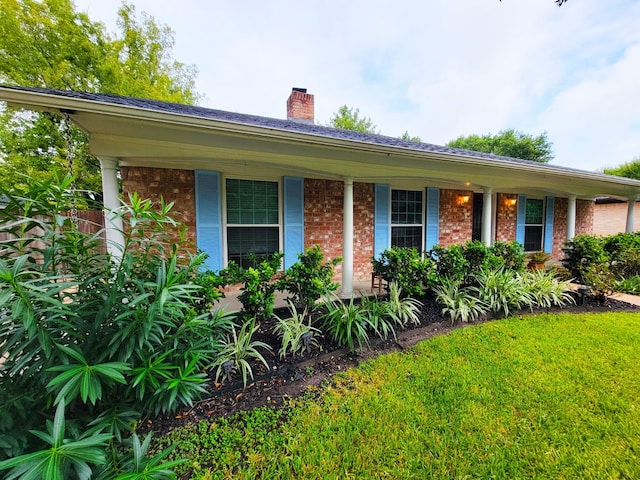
(546, 396)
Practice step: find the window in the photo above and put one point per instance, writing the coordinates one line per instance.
(533, 225)
(406, 219)
(253, 219)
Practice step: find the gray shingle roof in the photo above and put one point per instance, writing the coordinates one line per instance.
(278, 124)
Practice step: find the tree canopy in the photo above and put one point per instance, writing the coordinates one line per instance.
(630, 169)
(509, 143)
(49, 44)
(349, 119)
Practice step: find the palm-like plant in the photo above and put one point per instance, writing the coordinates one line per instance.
(502, 290)
(295, 332)
(459, 303)
(238, 351)
(546, 290)
(346, 322)
(403, 310)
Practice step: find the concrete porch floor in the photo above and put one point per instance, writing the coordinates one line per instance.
(231, 304)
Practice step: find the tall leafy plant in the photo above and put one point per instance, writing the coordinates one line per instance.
(406, 268)
(111, 339)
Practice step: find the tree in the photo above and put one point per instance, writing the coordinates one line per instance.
(509, 143)
(48, 44)
(409, 138)
(349, 119)
(630, 169)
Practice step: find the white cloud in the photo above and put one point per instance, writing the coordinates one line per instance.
(435, 69)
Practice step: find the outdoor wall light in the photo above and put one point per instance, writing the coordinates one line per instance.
(510, 202)
(463, 199)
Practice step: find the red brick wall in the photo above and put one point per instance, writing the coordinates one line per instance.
(173, 185)
(584, 217)
(559, 227)
(611, 218)
(506, 217)
(323, 203)
(456, 217)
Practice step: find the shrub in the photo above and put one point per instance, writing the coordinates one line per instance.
(581, 252)
(459, 302)
(450, 264)
(629, 285)
(346, 322)
(403, 310)
(511, 254)
(623, 250)
(295, 332)
(238, 351)
(405, 267)
(309, 278)
(502, 290)
(378, 317)
(545, 290)
(258, 285)
(111, 339)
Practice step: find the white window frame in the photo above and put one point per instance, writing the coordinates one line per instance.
(542, 225)
(226, 225)
(422, 216)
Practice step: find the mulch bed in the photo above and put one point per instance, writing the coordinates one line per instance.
(292, 377)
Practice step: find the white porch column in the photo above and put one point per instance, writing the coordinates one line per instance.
(347, 239)
(571, 217)
(111, 200)
(487, 209)
(631, 208)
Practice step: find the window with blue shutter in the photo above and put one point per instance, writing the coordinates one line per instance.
(209, 217)
(293, 219)
(381, 238)
(432, 236)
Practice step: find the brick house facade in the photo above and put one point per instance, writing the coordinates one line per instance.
(247, 184)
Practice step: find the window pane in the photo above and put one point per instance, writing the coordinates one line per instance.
(407, 237)
(406, 207)
(534, 211)
(257, 240)
(532, 238)
(252, 202)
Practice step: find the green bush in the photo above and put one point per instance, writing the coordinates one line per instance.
(405, 267)
(111, 339)
(502, 290)
(459, 302)
(581, 252)
(629, 285)
(309, 278)
(293, 330)
(510, 254)
(623, 250)
(451, 264)
(346, 322)
(258, 284)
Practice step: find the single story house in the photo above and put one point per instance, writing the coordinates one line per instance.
(244, 183)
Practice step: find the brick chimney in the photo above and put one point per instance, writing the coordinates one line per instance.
(300, 106)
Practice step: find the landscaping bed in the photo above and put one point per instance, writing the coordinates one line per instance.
(297, 375)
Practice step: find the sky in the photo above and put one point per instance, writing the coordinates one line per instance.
(437, 69)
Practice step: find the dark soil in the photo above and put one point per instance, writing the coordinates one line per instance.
(292, 377)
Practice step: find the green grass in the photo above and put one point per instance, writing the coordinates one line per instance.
(550, 396)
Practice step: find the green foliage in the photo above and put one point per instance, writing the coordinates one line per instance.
(346, 322)
(349, 119)
(623, 250)
(510, 253)
(379, 318)
(49, 44)
(406, 268)
(258, 285)
(629, 285)
(403, 310)
(409, 138)
(112, 339)
(502, 290)
(630, 169)
(309, 278)
(64, 457)
(459, 302)
(293, 330)
(545, 290)
(211, 284)
(509, 143)
(450, 263)
(240, 349)
(601, 281)
(581, 252)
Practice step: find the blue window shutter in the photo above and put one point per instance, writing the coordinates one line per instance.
(209, 217)
(293, 219)
(432, 236)
(382, 219)
(548, 225)
(520, 219)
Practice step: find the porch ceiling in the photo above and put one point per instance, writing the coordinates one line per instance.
(142, 137)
